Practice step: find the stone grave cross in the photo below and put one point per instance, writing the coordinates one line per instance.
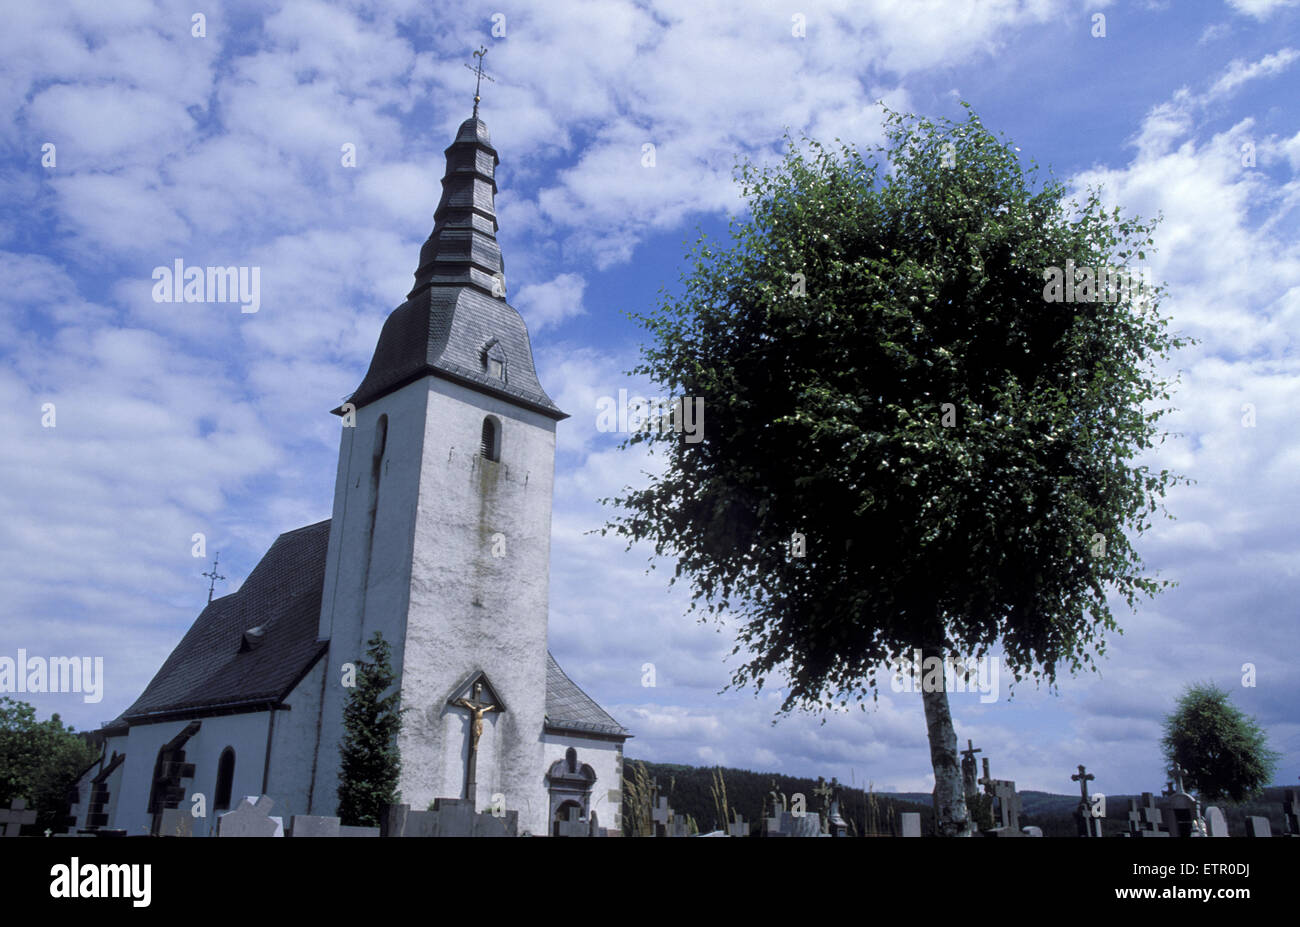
(968, 773)
(13, 819)
(663, 817)
(1089, 822)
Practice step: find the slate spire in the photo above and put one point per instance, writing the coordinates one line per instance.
(456, 323)
(462, 249)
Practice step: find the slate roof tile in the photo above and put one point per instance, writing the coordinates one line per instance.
(210, 670)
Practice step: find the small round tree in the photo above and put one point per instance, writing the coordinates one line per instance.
(912, 444)
(371, 763)
(1224, 753)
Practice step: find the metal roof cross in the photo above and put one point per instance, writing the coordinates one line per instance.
(479, 75)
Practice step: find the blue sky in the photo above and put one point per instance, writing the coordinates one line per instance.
(225, 149)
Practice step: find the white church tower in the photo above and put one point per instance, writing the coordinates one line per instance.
(440, 537)
(440, 541)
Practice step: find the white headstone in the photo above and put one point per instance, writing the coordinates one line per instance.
(1215, 824)
(911, 821)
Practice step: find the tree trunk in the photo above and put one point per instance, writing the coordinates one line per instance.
(951, 817)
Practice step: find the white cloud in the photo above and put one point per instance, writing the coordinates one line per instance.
(1260, 9)
(548, 304)
(1239, 72)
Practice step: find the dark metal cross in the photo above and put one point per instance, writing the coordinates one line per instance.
(14, 817)
(970, 751)
(478, 71)
(213, 576)
(1083, 777)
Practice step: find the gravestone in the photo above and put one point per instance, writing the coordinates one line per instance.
(176, 822)
(1144, 818)
(13, 819)
(662, 816)
(789, 824)
(1215, 824)
(1182, 812)
(1257, 826)
(1029, 830)
(1006, 805)
(573, 825)
(251, 819)
(738, 827)
(680, 826)
(1087, 817)
(449, 817)
(801, 825)
(911, 823)
(1291, 813)
(346, 830)
(836, 826)
(969, 775)
(313, 825)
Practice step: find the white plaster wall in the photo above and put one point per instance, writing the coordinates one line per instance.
(293, 749)
(246, 733)
(605, 757)
(470, 610)
(383, 602)
(440, 597)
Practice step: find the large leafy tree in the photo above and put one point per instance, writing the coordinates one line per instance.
(884, 376)
(1224, 753)
(371, 762)
(39, 761)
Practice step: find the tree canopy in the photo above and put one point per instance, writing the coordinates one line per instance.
(883, 376)
(39, 761)
(1224, 753)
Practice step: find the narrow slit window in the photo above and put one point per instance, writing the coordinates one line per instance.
(490, 442)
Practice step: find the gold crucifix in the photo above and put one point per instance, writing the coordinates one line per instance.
(477, 710)
(478, 82)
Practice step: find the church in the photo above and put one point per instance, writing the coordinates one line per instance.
(440, 540)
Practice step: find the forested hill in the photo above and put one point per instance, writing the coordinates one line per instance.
(691, 790)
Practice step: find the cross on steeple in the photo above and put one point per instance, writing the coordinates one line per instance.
(213, 576)
(1083, 777)
(478, 71)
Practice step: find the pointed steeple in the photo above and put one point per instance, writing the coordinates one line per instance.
(456, 323)
(462, 249)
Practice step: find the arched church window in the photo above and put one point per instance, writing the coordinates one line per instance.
(490, 443)
(225, 779)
